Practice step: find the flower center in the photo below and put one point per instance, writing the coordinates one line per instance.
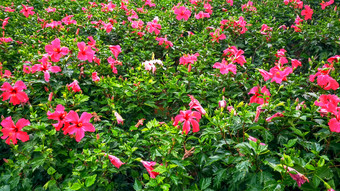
(79, 125)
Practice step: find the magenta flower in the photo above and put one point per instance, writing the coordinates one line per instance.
(326, 4)
(149, 167)
(55, 51)
(27, 11)
(188, 59)
(235, 55)
(295, 63)
(59, 115)
(137, 24)
(182, 13)
(225, 68)
(298, 177)
(14, 132)
(217, 36)
(230, 2)
(78, 126)
(50, 9)
(85, 52)
(15, 93)
(261, 95)
(280, 74)
(112, 63)
(202, 15)
(334, 123)
(74, 85)
(335, 58)
(45, 67)
(328, 103)
(95, 77)
(5, 22)
(307, 12)
(327, 82)
(164, 41)
(115, 161)
(68, 20)
(116, 50)
(153, 27)
(189, 118)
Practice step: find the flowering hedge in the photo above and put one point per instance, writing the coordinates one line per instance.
(169, 95)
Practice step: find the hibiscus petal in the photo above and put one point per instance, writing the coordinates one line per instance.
(22, 123)
(23, 136)
(8, 123)
(79, 134)
(72, 117)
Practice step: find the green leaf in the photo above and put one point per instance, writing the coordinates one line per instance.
(49, 183)
(137, 185)
(205, 183)
(160, 169)
(76, 186)
(51, 171)
(290, 143)
(90, 180)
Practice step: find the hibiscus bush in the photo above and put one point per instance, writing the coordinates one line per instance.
(169, 95)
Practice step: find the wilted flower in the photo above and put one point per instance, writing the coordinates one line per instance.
(119, 118)
(298, 177)
(195, 104)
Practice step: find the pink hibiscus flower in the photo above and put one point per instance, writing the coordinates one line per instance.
(188, 59)
(307, 12)
(59, 115)
(14, 132)
(153, 27)
(202, 15)
(15, 93)
(189, 118)
(328, 103)
(217, 36)
(55, 51)
(78, 126)
(27, 11)
(95, 77)
(115, 161)
(116, 50)
(261, 95)
(45, 67)
(149, 167)
(224, 67)
(85, 52)
(182, 13)
(74, 85)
